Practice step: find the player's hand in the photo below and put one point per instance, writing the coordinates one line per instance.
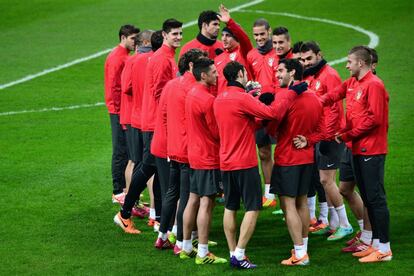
(267, 98)
(224, 14)
(299, 88)
(300, 141)
(338, 138)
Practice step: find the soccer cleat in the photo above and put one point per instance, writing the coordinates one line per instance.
(295, 261)
(210, 258)
(243, 264)
(210, 243)
(377, 256)
(312, 221)
(176, 250)
(151, 222)
(126, 224)
(355, 238)
(356, 247)
(156, 227)
(160, 244)
(364, 253)
(118, 198)
(277, 212)
(172, 238)
(268, 202)
(340, 233)
(187, 255)
(319, 228)
(137, 212)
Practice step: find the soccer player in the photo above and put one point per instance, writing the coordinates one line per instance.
(294, 157)
(113, 68)
(176, 148)
(203, 156)
(296, 50)
(367, 127)
(236, 112)
(236, 45)
(125, 112)
(206, 40)
(262, 62)
(323, 78)
(347, 184)
(147, 42)
(160, 69)
(281, 43)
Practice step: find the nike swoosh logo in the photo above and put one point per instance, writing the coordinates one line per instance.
(294, 262)
(218, 63)
(125, 225)
(330, 165)
(350, 89)
(254, 63)
(367, 159)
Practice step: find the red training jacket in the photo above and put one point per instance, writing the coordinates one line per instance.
(159, 140)
(263, 68)
(304, 117)
(197, 43)
(236, 112)
(326, 80)
(126, 95)
(138, 77)
(202, 130)
(176, 125)
(238, 54)
(112, 78)
(366, 114)
(160, 69)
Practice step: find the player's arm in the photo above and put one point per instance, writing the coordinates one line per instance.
(115, 71)
(302, 141)
(162, 74)
(334, 118)
(245, 43)
(211, 119)
(337, 94)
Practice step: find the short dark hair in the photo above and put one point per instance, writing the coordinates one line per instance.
(261, 22)
(171, 23)
(296, 47)
(282, 31)
(201, 65)
(310, 46)
(293, 64)
(362, 53)
(231, 70)
(190, 56)
(206, 17)
(156, 40)
(127, 30)
(374, 55)
(143, 35)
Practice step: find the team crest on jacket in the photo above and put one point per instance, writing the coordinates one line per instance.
(317, 85)
(233, 56)
(359, 94)
(270, 61)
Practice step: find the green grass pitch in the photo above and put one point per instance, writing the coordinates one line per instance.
(55, 208)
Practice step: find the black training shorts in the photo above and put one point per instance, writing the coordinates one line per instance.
(245, 185)
(291, 181)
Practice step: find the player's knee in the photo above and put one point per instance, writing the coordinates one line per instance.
(345, 192)
(265, 153)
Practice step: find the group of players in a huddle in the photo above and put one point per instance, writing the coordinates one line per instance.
(189, 132)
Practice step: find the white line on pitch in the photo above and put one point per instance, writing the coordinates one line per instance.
(52, 109)
(100, 53)
(373, 38)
